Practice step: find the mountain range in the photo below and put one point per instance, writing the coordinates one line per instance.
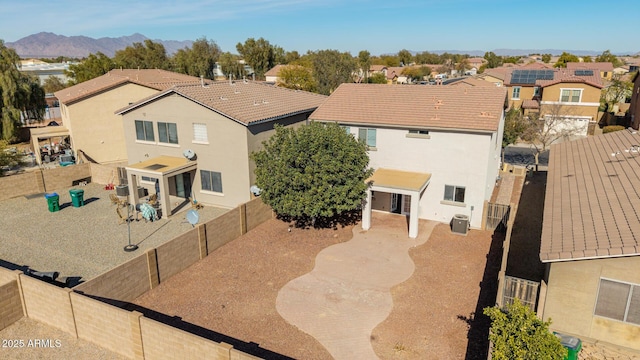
(50, 45)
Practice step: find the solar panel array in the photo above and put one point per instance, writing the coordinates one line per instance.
(530, 76)
(583, 72)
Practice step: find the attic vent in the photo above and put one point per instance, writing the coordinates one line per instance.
(265, 102)
(255, 102)
(223, 98)
(439, 102)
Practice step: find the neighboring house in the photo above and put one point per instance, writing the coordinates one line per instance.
(590, 239)
(634, 107)
(272, 76)
(572, 95)
(87, 109)
(195, 140)
(42, 70)
(605, 68)
(476, 62)
(621, 70)
(467, 81)
(435, 149)
(496, 76)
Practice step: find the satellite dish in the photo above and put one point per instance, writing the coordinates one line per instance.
(189, 154)
(193, 217)
(255, 190)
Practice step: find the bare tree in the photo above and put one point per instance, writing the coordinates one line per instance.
(554, 123)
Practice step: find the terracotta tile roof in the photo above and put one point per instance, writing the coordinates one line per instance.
(152, 78)
(530, 104)
(274, 71)
(569, 76)
(601, 66)
(470, 81)
(535, 66)
(501, 73)
(592, 201)
(245, 102)
(448, 107)
(377, 67)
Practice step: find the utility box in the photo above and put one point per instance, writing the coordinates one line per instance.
(460, 224)
(122, 190)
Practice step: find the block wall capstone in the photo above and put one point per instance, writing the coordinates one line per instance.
(103, 324)
(161, 341)
(124, 283)
(178, 254)
(10, 304)
(48, 304)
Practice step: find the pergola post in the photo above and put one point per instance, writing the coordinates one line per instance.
(165, 200)
(413, 215)
(366, 212)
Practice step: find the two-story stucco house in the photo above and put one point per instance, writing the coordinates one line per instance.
(591, 239)
(604, 68)
(195, 140)
(87, 109)
(435, 149)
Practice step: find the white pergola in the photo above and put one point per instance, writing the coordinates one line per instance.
(46, 132)
(397, 182)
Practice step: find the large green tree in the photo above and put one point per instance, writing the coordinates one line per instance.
(231, 66)
(9, 157)
(259, 54)
(364, 61)
(493, 60)
(428, 58)
(515, 125)
(93, 66)
(296, 77)
(332, 68)
(607, 56)
(517, 333)
(20, 94)
(564, 59)
(150, 55)
(313, 175)
(53, 84)
(405, 57)
(199, 60)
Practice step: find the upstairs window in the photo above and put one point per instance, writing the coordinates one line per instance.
(211, 181)
(144, 130)
(200, 133)
(369, 136)
(454, 193)
(419, 132)
(167, 133)
(570, 95)
(515, 95)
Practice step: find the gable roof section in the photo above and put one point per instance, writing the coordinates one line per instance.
(274, 71)
(569, 76)
(447, 107)
(602, 66)
(151, 78)
(502, 73)
(246, 102)
(592, 201)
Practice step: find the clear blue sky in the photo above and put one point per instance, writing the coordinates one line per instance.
(346, 25)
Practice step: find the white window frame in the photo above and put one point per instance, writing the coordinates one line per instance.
(366, 138)
(632, 288)
(167, 125)
(144, 128)
(570, 97)
(417, 133)
(515, 96)
(453, 201)
(200, 135)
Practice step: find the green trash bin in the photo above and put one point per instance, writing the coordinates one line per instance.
(77, 197)
(53, 201)
(572, 344)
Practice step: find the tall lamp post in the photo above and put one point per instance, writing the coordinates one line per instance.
(129, 247)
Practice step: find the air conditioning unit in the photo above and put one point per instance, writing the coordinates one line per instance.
(122, 190)
(460, 224)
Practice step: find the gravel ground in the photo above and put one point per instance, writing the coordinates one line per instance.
(79, 242)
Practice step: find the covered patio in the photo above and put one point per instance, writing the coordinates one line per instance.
(47, 132)
(410, 185)
(173, 177)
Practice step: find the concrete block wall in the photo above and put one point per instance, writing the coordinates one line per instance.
(48, 303)
(7, 275)
(124, 283)
(161, 341)
(21, 184)
(106, 173)
(178, 254)
(10, 303)
(63, 177)
(104, 325)
(223, 229)
(257, 212)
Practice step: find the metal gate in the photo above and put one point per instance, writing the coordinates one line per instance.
(524, 290)
(497, 214)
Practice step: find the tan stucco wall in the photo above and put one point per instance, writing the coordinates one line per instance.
(590, 94)
(492, 79)
(93, 126)
(226, 151)
(526, 93)
(381, 201)
(571, 299)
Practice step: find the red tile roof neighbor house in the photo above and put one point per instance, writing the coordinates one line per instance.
(592, 202)
(602, 66)
(448, 107)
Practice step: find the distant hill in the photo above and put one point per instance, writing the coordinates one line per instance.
(49, 45)
(523, 52)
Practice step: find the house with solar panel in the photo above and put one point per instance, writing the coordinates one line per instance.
(435, 150)
(570, 98)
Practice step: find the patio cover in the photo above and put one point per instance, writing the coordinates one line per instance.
(161, 168)
(397, 182)
(45, 132)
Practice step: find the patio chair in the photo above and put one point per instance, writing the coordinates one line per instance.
(195, 204)
(122, 218)
(153, 200)
(114, 199)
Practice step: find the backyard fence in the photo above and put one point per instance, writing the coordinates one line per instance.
(524, 290)
(497, 214)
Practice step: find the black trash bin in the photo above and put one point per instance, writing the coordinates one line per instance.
(77, 197)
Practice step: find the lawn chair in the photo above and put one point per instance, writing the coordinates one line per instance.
(114, 199)
(153, 200)
(195, 204)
